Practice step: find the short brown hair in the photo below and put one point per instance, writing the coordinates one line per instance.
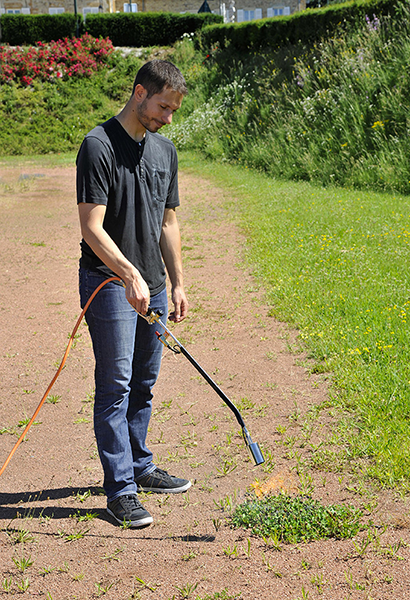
(156, 75)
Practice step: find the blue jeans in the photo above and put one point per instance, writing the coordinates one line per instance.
(127, 362)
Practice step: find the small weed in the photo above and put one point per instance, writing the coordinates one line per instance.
(295, 416)
(65, 568)
(143, 585)
(72, 537)
(187, 590)
(273, 541)
(306, 485)
(89, 516)
(245, 404)
(269, 464)
(227, 504)
(47, 570)
(82, 497)
(269, 567)
(305, 594)
(9, 430)
(6, 584)
(22, 563)
(19, 535)
(318, 582)
(89, 397)
(191, 554)
(103, 588)
(26, 421)
(53, 399)
(165, 404)
(231, 552)
(361, 546)
(114, 555)
(227, 467)
(160, 439)
(189, 440)
(24, 585)
(353, 585)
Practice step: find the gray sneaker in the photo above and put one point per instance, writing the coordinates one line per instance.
(129, 511)
(161, 483)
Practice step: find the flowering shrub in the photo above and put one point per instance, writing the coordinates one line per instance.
(62, 59)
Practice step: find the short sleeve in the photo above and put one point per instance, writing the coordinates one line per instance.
(94, 171)
(173, 194)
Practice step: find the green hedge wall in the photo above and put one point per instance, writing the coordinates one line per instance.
(123, 29)
(307, 26)
(146, 29)
(19, 30)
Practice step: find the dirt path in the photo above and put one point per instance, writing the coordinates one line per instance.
(52, 485)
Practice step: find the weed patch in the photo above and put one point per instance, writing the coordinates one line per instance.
(297, 519)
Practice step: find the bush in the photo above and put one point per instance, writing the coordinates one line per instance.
(124, 29)
(304, 27)
(146, 29)
(17, 30)
(58, 60)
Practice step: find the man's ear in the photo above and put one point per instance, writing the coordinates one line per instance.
(140, 93)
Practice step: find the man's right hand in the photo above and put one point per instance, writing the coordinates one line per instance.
(137, 293)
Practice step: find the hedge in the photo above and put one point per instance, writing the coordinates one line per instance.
(123, 29)
(303, 27)
(146, 29)
(18, 30)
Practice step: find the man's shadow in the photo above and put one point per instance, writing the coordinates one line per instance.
(17, 504)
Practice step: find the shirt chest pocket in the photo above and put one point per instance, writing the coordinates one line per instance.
(160, 185)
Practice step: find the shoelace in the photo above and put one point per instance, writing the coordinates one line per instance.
(130, 501)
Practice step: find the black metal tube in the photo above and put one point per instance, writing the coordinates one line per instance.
(253, 447)
(212, 383)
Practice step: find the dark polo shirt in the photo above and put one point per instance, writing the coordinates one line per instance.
(136, 181)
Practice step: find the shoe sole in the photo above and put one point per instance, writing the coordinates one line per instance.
(179, 490)
(144, 522)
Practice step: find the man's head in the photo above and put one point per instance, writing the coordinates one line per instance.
(159, 89)
(157, 75)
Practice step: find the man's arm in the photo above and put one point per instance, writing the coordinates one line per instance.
(170, 244)
(91, 221)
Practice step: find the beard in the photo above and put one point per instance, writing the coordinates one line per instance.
(151, 124)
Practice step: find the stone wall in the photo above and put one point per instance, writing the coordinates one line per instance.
(250, 8)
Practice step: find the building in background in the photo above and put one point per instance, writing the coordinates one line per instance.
(231, 10)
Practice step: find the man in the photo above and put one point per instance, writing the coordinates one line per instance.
(127, 192)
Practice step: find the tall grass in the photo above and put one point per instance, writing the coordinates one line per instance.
(335, 113)
(334, 264)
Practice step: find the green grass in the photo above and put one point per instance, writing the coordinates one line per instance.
(61, 159)
(334, 264)
(298, 519)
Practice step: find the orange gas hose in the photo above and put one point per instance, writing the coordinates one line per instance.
(60, 368)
